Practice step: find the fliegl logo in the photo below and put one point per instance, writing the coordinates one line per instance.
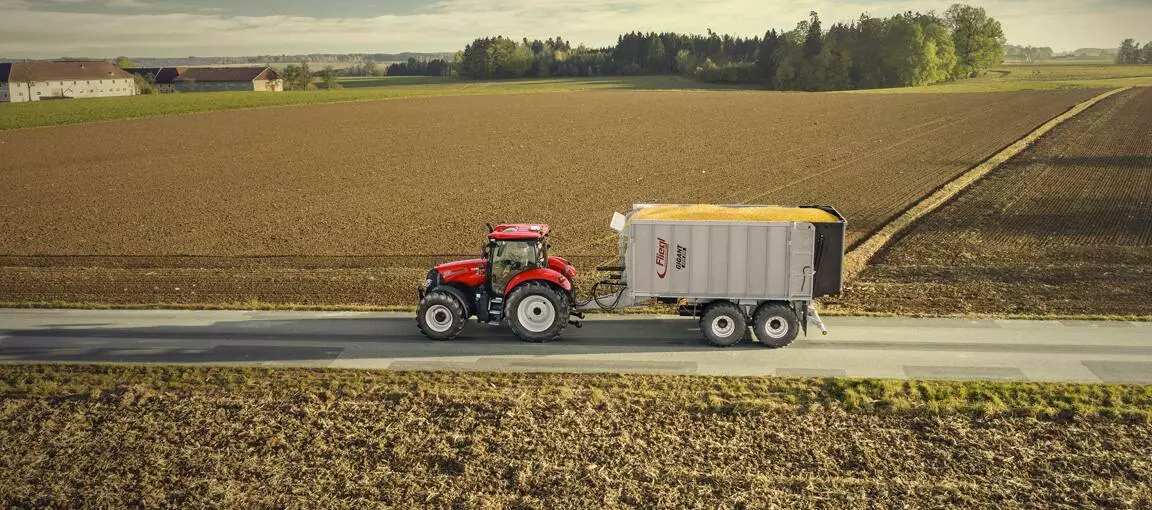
(661, 258)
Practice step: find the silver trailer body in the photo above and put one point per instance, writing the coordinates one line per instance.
(706, 260)
(735, 267)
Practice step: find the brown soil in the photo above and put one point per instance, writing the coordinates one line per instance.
(1063, 228)
(421, 176)
(108, 436)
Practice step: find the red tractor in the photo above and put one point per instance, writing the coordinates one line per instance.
(514, 280)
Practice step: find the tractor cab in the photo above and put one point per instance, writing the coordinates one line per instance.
(511, 250)
(514, 281)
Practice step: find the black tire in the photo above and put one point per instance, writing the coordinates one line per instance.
(440, 316)
(724, 324)
(542, 303)
(776, 325)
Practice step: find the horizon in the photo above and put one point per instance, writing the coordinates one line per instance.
(164, 29)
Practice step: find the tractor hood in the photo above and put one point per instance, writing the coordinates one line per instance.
(449, 268)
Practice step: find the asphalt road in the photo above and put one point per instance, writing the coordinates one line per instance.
(1075, 351)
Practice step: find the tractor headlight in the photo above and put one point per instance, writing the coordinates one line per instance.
(430, 280)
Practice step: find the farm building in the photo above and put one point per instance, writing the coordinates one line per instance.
(32, 81)
(209, 79)
(162, 78)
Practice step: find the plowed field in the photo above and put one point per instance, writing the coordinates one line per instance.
(206, 437)
(1063, 228)
(348, 203)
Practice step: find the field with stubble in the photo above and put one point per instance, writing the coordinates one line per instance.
(124, 436)
(350, 203)
(1064, 228)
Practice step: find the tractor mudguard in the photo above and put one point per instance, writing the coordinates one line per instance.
(466, 302)
(540, 273)
(562, 266)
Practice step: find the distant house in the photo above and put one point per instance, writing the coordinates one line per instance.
(162, 78)
(33, 81)
(205, 79)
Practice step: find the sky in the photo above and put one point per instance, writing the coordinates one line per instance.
(179, 28)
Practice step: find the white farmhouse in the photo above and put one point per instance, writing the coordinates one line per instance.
(33, 81)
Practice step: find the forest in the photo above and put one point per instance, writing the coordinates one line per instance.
(907, 49)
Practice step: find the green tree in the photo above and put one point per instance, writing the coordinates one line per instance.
(978, 38)
(516, 62)
(766, 57)
(1129, 52)
(124, 63)
(656, 58)
(867, 65)
(903, 54)
(305, 76)
(328, 75)
(789, 57)
(370, 68)
(297, 77)
(834, 63)
(143, 85)
(685, 62)
(494, 57)
(813, 38)
(940, 52)
(290, 76)
(1146, 53)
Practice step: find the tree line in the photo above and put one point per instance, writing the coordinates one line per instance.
(1132, 53)
(902, 50)
(414, 67)
(1028, 53)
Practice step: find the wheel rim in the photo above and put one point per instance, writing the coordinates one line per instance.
(776, 327)
(723, 326)
(536, 313)
(438, 318)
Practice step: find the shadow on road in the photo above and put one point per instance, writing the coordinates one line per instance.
(328, 338)
(322, 339)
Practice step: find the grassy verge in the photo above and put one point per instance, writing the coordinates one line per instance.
(1039, 77)
(97, 435)
(49, 113)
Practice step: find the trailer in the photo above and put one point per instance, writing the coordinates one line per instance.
(734, 268)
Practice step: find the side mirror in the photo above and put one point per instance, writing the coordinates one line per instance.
(490, 227)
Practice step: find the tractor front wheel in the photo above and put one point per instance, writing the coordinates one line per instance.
(537, 312)
(440, 316)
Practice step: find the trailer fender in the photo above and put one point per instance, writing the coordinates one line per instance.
(541, 273)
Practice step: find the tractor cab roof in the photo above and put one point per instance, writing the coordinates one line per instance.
(518, 231)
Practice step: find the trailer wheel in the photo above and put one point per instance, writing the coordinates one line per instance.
(776, 325)
(537, 312)
(724, 324)
(440, 316)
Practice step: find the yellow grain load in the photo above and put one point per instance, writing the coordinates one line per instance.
(733, 213)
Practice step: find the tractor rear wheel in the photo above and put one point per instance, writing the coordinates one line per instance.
(776, 325)
(724, 324)
(537, 312)
(440, 316)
